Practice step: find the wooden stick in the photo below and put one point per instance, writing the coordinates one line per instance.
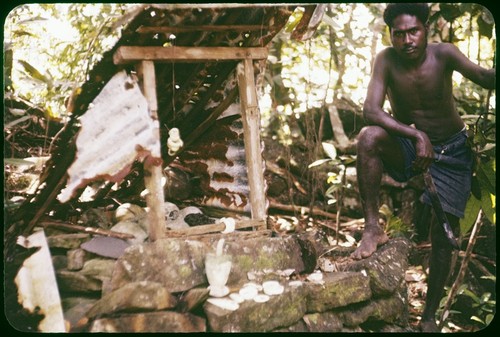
(83, 229)
(197, 230)
(131, 54)
(461, 272)
(208, 28)
(306, 209)
(250, 115)
(155, 198)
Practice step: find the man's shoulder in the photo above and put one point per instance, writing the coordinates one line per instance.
(441, 47)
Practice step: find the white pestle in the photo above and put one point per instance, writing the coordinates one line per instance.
(220, 246)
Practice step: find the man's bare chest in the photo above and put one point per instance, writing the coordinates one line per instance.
(425, 83)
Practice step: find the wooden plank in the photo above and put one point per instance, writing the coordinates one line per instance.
(131, 54)
(213, 228)
(211, 238)
(207, 28)
(155, 198)
(250, 114)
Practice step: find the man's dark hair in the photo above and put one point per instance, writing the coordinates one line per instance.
(419, 10)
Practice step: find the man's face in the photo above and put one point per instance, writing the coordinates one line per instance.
(409, 37)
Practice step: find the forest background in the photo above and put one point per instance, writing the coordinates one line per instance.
(50, 48)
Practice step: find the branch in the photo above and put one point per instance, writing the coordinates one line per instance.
(83, 229)
(461, 273)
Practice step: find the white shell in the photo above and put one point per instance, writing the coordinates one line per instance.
(253, 284)
(295, 283)
(315, 277)
(248, 292)
(224, 303)
(236, 297)
(261, 298)
(272, 288)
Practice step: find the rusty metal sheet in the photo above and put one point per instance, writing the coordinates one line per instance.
(115, 131)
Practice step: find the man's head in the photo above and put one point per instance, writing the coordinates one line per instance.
(393, 10)
(408, 29)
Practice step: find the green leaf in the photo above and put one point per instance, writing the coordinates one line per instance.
(488, 205)
(471, 211)
(318, 162)
(486, 174)
(33, 72)
(330, 150)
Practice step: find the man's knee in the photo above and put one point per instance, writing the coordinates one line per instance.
(371, 136)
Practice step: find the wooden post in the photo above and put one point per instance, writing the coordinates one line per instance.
(250, 114)
(153, 171)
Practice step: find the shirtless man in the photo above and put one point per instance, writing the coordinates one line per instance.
(424, 132)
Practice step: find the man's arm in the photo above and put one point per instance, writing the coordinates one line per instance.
(374, 113)
(475, 73)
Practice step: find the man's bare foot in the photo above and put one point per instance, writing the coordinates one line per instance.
(429, 326)
(372, 238)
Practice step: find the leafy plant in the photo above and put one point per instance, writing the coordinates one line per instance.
(336, 179)
(395, 226)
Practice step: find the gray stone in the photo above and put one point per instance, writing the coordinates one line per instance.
(106, 246)
(386, 267)
(67, 241)
(263, 253)
(338, 290)
(323, 322)
(76, 259)
(75, 309)
(389, 310)
(140, 296)
(161, 321)
(192, 299)
(280, 311)
(177, 264)
(133, 228)
(89, 279)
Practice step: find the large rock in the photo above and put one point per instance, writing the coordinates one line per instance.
(280, 311)
(386, 267)
(390, 310)
(90, 278)
(337, 290)
(180, 264)
(161, 321)
(263, 254)
(139, 296)
(177, 264)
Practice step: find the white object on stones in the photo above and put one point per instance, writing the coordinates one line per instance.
(248, 292)
(295, 283)
(224, 303)
(317, 276)
(218, 291)
(261, 298)
(272, 288)
(236, 297)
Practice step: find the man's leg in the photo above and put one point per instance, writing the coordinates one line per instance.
(439, 269)
(375, 146)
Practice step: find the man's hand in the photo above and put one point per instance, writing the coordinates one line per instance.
(424, 152)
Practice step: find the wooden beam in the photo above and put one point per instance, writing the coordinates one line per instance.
(155, 198)
(206, 28)
(132, 54)
(250, 114)
(211, 228)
